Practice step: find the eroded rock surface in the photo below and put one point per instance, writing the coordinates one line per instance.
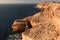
(21, 24)
(45, 24)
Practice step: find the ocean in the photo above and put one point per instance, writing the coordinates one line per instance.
(10, 12)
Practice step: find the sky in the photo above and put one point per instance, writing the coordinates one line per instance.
(24, 1)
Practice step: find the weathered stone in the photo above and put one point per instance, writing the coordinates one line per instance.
(46, 24)
(21, 24)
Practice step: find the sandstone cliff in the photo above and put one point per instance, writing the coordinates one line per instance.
(44, 25)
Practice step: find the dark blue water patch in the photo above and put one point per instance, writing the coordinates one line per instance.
(8, 13)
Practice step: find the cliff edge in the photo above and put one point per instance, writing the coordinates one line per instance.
(46, 23)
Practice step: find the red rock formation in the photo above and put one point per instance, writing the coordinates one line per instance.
(20, 24)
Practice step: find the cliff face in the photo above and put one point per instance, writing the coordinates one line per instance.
(45, 24)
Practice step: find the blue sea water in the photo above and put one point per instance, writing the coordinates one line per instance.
(10, 12)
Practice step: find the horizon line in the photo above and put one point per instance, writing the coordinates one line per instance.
(18, 3)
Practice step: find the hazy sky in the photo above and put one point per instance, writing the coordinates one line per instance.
(24, 1)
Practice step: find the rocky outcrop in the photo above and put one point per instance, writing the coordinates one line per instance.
(45, 24)
(21, 24)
